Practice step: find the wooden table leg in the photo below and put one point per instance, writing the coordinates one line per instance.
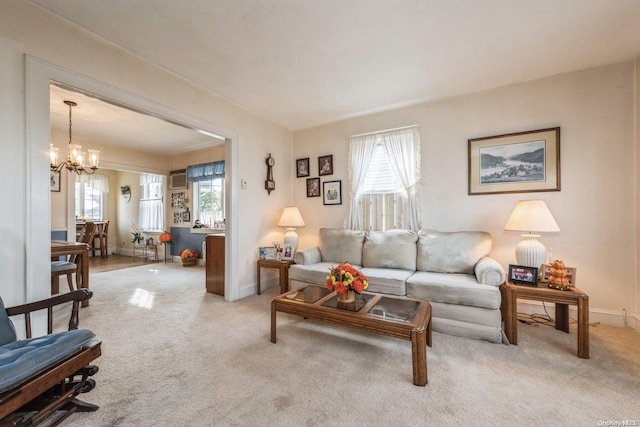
(419, 356)
(510, 316)
(258, 276)
(284, 278)
(273, 322)
(85, 273)
(583, 327)
(562, 317)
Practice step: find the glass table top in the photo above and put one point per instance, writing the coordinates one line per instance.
(395, 309)
(309, 294)
(361, 301)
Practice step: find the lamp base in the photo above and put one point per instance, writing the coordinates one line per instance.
(530, 252)
(291, 239)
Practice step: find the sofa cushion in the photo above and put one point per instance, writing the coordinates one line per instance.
(341, 245)
(390, 249)
(387, 280)
(7, 331)
(311, 273)
(455, 252)
(22, 359)
(452, 289)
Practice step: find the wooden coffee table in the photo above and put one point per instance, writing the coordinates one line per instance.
(397, 317)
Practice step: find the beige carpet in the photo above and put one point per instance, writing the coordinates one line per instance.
(182, 357)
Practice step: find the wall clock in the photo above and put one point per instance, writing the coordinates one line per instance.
(270, 184)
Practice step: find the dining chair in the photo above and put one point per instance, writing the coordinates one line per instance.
(102, 235)
(62, 268)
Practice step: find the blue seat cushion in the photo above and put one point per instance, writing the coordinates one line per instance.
(22, 359)
(7, 331)
(63, 266)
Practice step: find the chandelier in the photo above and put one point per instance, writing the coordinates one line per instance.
(75, 156)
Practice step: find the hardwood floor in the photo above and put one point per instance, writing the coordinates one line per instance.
(113, 262)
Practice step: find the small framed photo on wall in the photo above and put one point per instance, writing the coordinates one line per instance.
(313, 187)
(332, 192)
(325, 165)
(302, 167)
(55, 181)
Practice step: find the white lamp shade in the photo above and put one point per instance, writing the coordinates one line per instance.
(291, 218)
(532, 216)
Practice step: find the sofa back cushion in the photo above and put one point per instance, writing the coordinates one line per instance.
(390, 249)
(341, 245)
(7, 331)
(456, 252)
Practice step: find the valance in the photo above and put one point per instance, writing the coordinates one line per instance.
(205, 171)
(97, 182)
(150, 178)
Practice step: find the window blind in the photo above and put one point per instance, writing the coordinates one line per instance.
(205, 171)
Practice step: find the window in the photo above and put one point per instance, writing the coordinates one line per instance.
(208, 201)
(384, 178)
(151, 215)
(382, 193)
(208, 192)
(90, 197)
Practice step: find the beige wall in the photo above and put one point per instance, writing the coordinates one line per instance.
(595, 209)
(27, 31)
(637, 117)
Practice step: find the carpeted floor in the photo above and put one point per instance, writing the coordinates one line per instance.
(174, 355)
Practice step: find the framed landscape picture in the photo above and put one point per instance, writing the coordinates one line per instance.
(515, 163)
(522, 275)
(54, 181)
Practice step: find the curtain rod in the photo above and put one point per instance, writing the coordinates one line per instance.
(383, 131)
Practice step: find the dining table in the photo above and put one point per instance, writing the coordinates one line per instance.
(99, 233)
(63, 248)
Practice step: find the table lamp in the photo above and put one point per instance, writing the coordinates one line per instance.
(532, 216)
(291, 219)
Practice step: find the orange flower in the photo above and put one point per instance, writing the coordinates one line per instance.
(345, 277)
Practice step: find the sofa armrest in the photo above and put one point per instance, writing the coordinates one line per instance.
(489, 272)
(308, 256)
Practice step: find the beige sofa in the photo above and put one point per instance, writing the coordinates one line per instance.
(450, 270)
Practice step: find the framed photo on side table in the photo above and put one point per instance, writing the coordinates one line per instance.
(522, 275)
(288, 253)
(545, 273)
(332, 192)
(515, 163)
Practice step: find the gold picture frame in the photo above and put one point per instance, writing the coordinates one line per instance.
(515, 163)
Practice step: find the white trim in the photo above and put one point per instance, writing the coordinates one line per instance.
(40, 74)
(383, 131)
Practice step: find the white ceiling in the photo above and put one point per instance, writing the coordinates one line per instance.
(302, 63)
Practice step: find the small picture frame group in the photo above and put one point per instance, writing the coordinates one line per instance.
(267, 253)
(522, 275)
(545, 273)
(332, 192)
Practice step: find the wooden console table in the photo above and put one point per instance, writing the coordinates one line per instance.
(562, 300)
(283, 269)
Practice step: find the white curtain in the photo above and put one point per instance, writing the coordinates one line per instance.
(151, 213)
(360, 152)
(403, 151)
(97, 182)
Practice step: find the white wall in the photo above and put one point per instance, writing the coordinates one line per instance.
(595, 208)
(28, 30)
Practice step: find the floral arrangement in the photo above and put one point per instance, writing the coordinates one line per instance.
(136, 234)
(345, 278)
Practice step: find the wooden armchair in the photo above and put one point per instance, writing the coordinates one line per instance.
(41, 377)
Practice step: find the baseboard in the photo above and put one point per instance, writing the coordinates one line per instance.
(606, 317)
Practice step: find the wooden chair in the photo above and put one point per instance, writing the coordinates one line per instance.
(44, 375)
(102, 235)
(62, 268)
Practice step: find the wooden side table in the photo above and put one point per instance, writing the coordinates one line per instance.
(283, 269)
(562, 300)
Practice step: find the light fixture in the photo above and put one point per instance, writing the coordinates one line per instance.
(291, 219)
(75, 157)
(532, 216)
